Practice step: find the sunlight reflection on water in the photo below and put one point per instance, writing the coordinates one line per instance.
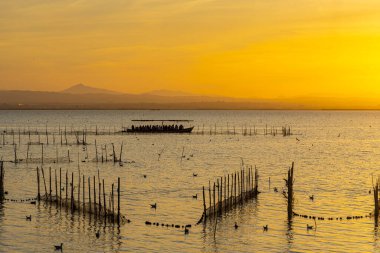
(334, 160)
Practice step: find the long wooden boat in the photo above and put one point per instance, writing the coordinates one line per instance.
(166, 131)
(162, 128)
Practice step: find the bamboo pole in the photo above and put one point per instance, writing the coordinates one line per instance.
(50, 191)
(78, 187)
(209, 193)
(113, 153)
(95, 208)
(218, 186)
(60, 186)
(84, 194)
(228, 190)
(204, 204)
(56, 186)
(290, 192)
(96, 152)
(100, 190)
(38, 184)
(42, 154)
(221, 196)
(235, 188)
(43, 176)
(214, 199)
(2, 192)
(72, 192)
(113, 203)
(121, 152)
(66, 187)
(118, 200)
(104, 198)
(100, 202)
(376, 200)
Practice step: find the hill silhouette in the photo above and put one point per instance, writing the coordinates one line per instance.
(86, 97)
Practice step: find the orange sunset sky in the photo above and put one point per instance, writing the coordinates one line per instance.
(240, 48)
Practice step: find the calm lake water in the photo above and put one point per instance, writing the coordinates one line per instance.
(336, 155)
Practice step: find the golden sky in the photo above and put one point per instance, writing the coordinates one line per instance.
(240, 48)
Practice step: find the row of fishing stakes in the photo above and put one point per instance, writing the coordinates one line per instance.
(230, 191)
(213, 130)
(101, 156)
(61, 136)
(95, 205)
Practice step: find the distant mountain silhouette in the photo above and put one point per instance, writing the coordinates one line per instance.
(84, 89)
(86, 97)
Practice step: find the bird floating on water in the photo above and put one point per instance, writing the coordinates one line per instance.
(236, 226)
(97, 234)
(311, 197)
(58, 247)
(195, 175)
(29, 217)
(265, 228)
(153, 205)
(309, 227)
(195, 196)
(275, 189)
(144, 176)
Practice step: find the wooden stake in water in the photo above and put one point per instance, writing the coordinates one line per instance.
(118, 200)
(214, 199)
(38, 185)
(56, 186)
(89, 195)
(60, 186)
(78, 189)
(42, 154)
(376, 200)
(50, 184)
(104, 201)
(96, 151)
(95, 208)
(43, 176)
(72, 192)
(113, 205)
(290, 182)
(84, 194)
(66, 187)
(209, 194)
